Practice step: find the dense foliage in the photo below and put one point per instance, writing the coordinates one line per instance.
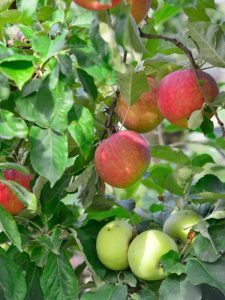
(62, 70)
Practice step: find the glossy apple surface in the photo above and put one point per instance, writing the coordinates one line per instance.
(112, 244)
(145, 252)
(7, 198)
(139, 9)
(96, 5)
(122, 159)
(144, 115)
(179, 224)
(179, 94)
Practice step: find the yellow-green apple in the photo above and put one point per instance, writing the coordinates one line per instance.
(144, 115)
(139, 9)
(145, 252)
(96, 5)
(122, 159)
(179, 94)
(112, 244)
(179, 224)
(7, 198)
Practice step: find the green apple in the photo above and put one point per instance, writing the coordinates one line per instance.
(112, 244)
(145, 252)
(179, 224)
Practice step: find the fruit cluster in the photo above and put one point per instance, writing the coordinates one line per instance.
(124, 157)
(118, 247)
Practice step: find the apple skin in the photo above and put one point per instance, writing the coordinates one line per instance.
(139, 9)
(7, 198)
(122, 159)
(112, 244)
(96, 5)
(178, 95)
(145, 252)
(179, 224)
(144, 115)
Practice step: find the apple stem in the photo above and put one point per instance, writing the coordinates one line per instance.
(194, 67)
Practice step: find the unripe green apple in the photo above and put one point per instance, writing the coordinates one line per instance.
(179, 224)
(145, 252)
(112, 244)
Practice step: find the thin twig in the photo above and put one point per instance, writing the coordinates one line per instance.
(176, 42)
(111, 112)
(194, 67)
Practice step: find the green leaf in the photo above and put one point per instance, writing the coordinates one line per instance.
(209, 38)
(33, 275)
(26, 197)
(45, 47)
(82, 129)
(9, 226)
(11, 126)
(28, 7)
(145, 294)
(58, 280)
(195, 119)
(88, 83)
(49, 153)
(86, 241)
(199, 272)
(8, 165)
(51, 113)
(205, 249)
(107, 292)
(179, 288)
(164, 13)
(132, 41)
(196, 14)
(5, 4)
(11, 278)
(171, 263)
(18, 71)
(170, 154)
(202, 159)
(133, 85)
(209, 187)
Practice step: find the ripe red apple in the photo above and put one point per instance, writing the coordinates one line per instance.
(179, 94)
(144, 115)
(7, 198)
(139, 9)
(122, 159)
(96, 5)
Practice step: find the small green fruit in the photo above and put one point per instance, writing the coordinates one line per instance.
(145, 252)
(112, 244)
(179, 224)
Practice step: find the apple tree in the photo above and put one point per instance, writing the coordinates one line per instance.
(112, 150)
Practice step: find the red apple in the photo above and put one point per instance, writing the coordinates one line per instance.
(122, 159)
(144, 115)
(139, 9)
(96, 5)
(7, 198)
(179, 94)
